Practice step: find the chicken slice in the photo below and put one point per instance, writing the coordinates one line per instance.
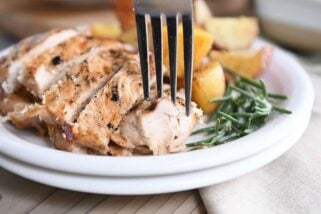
(67, 98)
(64, 100)
(40, 72)
(9, 102)
(105, 111)
(116, 150)
(159, 125)
(13, 106)
(15, 52)
(13, 67)
(22, 121)
(59, 140)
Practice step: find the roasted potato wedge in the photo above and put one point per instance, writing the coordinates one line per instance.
(208, 83)
(248, 63)
(124, 10)
(180, 83)
(129, 36)
(202, 46)
(125, 13)
(201, 12)
(232, 33)
(106, 30)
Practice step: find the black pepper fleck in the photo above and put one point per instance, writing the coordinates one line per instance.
(56, 60)
(110, 126)
(115, 97)
(115, 93)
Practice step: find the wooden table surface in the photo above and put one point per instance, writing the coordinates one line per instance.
(19, 195)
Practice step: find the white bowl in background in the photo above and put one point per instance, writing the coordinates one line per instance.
(294, 23)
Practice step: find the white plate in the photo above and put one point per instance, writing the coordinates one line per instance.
(284, 76)
(153, 184)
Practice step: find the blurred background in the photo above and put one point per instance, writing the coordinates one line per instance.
(295, 24)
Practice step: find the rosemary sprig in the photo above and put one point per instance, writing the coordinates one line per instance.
(278, 96)
(244, 108)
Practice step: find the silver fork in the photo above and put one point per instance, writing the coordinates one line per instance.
(172, 10)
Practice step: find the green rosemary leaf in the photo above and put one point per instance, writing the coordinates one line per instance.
(223, 105)
(203, 130)
(281, 110)
(241, 114)
(249, 131)
(278, 96)
(249, 95)
(218, 124)
(242, 79)
(251, 82)
(249, 122)
(231, 139)
(201, 142)
(229, 117)
(263, 87)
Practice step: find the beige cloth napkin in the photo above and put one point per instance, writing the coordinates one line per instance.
(289, 185)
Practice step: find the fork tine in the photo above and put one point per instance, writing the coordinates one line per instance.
(188, 31)
(142, 35)
(157, 26)
(172, 23)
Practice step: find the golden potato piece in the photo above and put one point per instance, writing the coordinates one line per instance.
(208, 83)
(124, 10)
(202, 45)
(129, 36)
(250, 63)
(201, 12)
(232, 33)
(106, 30)
(180, 83)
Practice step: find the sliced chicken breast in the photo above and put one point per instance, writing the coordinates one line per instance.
(15, 52)
(159, 125)
(22, 121)
(9, 103)
(40, 72)
(14, 66)
(59, 140)
(64, 100)
(67, 98)
(116, 150)
(105, 111)
(13, 108)
(58, 137)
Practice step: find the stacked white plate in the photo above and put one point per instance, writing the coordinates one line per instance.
(32, 157)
